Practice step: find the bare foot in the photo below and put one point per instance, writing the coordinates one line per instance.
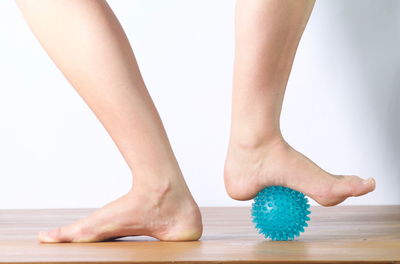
(250, 169)
(165, 214)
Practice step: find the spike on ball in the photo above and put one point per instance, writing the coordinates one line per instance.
(280, 213)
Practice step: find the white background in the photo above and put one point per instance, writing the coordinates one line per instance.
(341, 107)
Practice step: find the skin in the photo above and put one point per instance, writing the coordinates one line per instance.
(89, 46)
(267, 34)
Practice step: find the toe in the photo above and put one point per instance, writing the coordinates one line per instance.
(354, 186)
(344, 187)
(364, 186)
(59, 234)
(45, 237)
(51, 236)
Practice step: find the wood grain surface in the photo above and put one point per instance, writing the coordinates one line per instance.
(341, 234)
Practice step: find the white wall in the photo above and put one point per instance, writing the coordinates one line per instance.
(341, 106)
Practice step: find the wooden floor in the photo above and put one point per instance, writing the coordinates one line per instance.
(336, 234)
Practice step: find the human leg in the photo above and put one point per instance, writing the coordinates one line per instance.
(267, 35)
(89, 46)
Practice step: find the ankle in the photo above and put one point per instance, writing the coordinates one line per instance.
(243, 143)
(160, 188)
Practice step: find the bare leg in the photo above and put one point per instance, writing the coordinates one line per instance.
(267, 36)
(86, 41)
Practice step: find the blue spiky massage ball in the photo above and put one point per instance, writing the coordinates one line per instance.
(280, 213)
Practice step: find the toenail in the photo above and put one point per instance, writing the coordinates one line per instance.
(367, 181)
(44, 237)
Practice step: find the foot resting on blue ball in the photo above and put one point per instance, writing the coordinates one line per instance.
(249, 168)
